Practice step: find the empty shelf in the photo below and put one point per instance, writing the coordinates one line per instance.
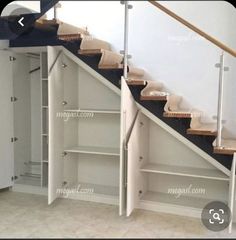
(31, 175)
(29, 181)
(185, 171)
(99, 189)
(94, 150)
(93, 111)
(184, 201)
(32, 163)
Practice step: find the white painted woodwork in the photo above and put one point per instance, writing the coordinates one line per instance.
(56, 125)
(6, 126)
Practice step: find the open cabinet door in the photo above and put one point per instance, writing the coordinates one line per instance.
(56, 124)
(133, 155)
(6, 126)
(128, 115)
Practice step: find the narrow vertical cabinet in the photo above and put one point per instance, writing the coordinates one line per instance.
(44, 118)
(165, 175)
(23, 95)
(129, 113)
(6, 126)
(84, 132)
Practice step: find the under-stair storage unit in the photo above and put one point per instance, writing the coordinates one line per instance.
(25, 93)
(165, 175)
(70, 132)
(84, 130)
(27, 121)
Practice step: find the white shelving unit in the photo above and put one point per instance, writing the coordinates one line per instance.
(75, 131)
(95, 111)
(87, 130)
(166, 176)
(26, 75)
(94, 150)
(184, 171)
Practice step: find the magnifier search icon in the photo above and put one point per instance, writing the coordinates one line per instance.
(216, 216)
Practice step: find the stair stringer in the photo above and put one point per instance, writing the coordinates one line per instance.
(184, 140)
(146, 112)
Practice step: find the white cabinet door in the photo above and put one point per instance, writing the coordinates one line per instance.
(56, 123)
(128, 115)
(134, 148)
(6, 122)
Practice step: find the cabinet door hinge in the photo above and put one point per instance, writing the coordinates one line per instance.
(64, 154)
(13, 99)
(12, 58)
(14, 139)
(14, 178)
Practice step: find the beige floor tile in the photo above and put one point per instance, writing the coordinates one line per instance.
(29, 216)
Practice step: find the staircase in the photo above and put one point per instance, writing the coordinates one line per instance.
(149, 94)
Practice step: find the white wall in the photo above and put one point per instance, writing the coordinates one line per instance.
(33, 6)
(168, 51)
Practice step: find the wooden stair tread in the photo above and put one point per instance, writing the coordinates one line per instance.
(90, 51)
(204, 132)
(136, 82)
(228, 147)
(111, 67)
(69, 37)
(47, 21)
(155, 98)
(224, 150)
(177, 114)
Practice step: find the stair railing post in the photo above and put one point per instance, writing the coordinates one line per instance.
(58, 5)
(126, 37)
(220, 100)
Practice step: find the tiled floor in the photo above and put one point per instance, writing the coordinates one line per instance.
(26, 215)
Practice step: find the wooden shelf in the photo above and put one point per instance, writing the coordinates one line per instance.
(172, 199)
(94, 150)
(185, 171)
(93, 111)
(44, 79)
(45, 107)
